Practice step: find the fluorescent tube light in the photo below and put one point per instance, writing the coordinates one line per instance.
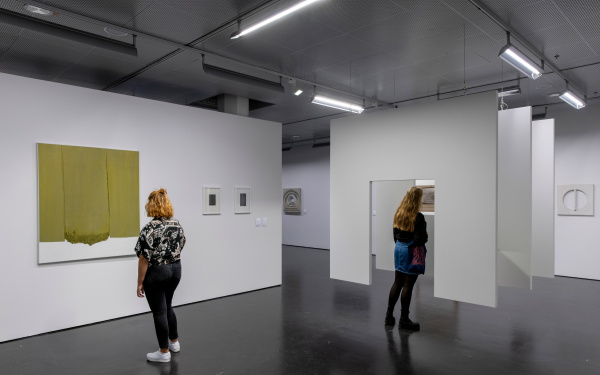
(508, 91)
(337, 104)
(519, 61)
(298, 92)
(572, 99)
(273, 18)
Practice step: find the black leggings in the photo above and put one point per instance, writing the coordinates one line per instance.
(160, 284)
(404, 282)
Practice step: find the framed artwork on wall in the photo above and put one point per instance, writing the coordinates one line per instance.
(88, 202)
(242, 200)
(212, 200)
(428, 201)
(575, 200)
(292, 201)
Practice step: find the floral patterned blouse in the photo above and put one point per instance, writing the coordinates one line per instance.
(161, 241)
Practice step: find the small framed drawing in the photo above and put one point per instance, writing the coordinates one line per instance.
(212, 200)
(292, 201)
(243, 200)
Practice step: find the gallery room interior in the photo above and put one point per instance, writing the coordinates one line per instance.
(286, 133)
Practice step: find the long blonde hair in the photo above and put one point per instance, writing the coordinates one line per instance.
(405, 216)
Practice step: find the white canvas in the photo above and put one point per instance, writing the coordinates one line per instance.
(461, 136)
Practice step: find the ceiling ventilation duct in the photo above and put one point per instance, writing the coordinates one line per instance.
(242, 78)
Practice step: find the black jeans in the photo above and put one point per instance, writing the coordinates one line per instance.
(160, 284)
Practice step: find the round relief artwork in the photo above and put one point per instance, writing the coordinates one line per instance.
(575, 200)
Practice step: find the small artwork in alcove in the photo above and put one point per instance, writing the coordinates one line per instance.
(292, 201)
(428, 202)
(243, 200)
(212, 200)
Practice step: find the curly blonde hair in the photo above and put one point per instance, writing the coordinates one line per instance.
(406, 214)
(159, 205)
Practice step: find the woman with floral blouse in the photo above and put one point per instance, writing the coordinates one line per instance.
(159, 270)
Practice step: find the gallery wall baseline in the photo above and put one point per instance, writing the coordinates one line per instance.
(180, 149)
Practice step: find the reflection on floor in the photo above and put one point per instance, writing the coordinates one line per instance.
(315, 325)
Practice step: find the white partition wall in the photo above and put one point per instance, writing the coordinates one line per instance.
(386, 197)
(453, 142)
(542, 184)
(180, 149)
(514, 197)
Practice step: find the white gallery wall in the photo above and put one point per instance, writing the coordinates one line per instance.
(577, 158)
(514, 198)
(453, 142)
(307, 168)
(180, 149)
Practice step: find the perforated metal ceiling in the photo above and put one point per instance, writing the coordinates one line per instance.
(380, 52)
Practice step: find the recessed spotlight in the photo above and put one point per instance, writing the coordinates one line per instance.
(295, 136)
(114, 32)
(298, 92)
(38, 10)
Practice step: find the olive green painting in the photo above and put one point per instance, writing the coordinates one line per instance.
(123, 193)
(87, 195)
(51, 194)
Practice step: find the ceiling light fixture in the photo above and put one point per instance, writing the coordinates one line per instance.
(337, 104)
(59, 31)
(298, 92)
(519, 61)
(37, 10)
(508, 91)
(573, 100)
(273, 18)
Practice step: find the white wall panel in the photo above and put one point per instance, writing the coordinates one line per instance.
(386, 197)
(514, 198)
(181, 149)
(542, 183)
(453, 142)
(577, 147)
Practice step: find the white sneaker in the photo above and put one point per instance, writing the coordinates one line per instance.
(159, 356)
(174, 346)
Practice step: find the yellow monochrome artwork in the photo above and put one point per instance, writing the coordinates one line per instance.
(88, 202)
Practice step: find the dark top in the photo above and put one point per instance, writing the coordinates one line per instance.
(419, 235)
(161, 241)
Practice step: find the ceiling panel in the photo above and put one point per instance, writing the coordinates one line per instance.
(295, 33)
(577, 9)
(162, 20)
(115, 12)
(340, 49)
(348, 15)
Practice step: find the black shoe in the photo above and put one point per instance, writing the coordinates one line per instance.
(390, 320)
(409, 324)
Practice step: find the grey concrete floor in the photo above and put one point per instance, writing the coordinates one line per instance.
(315, 325)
